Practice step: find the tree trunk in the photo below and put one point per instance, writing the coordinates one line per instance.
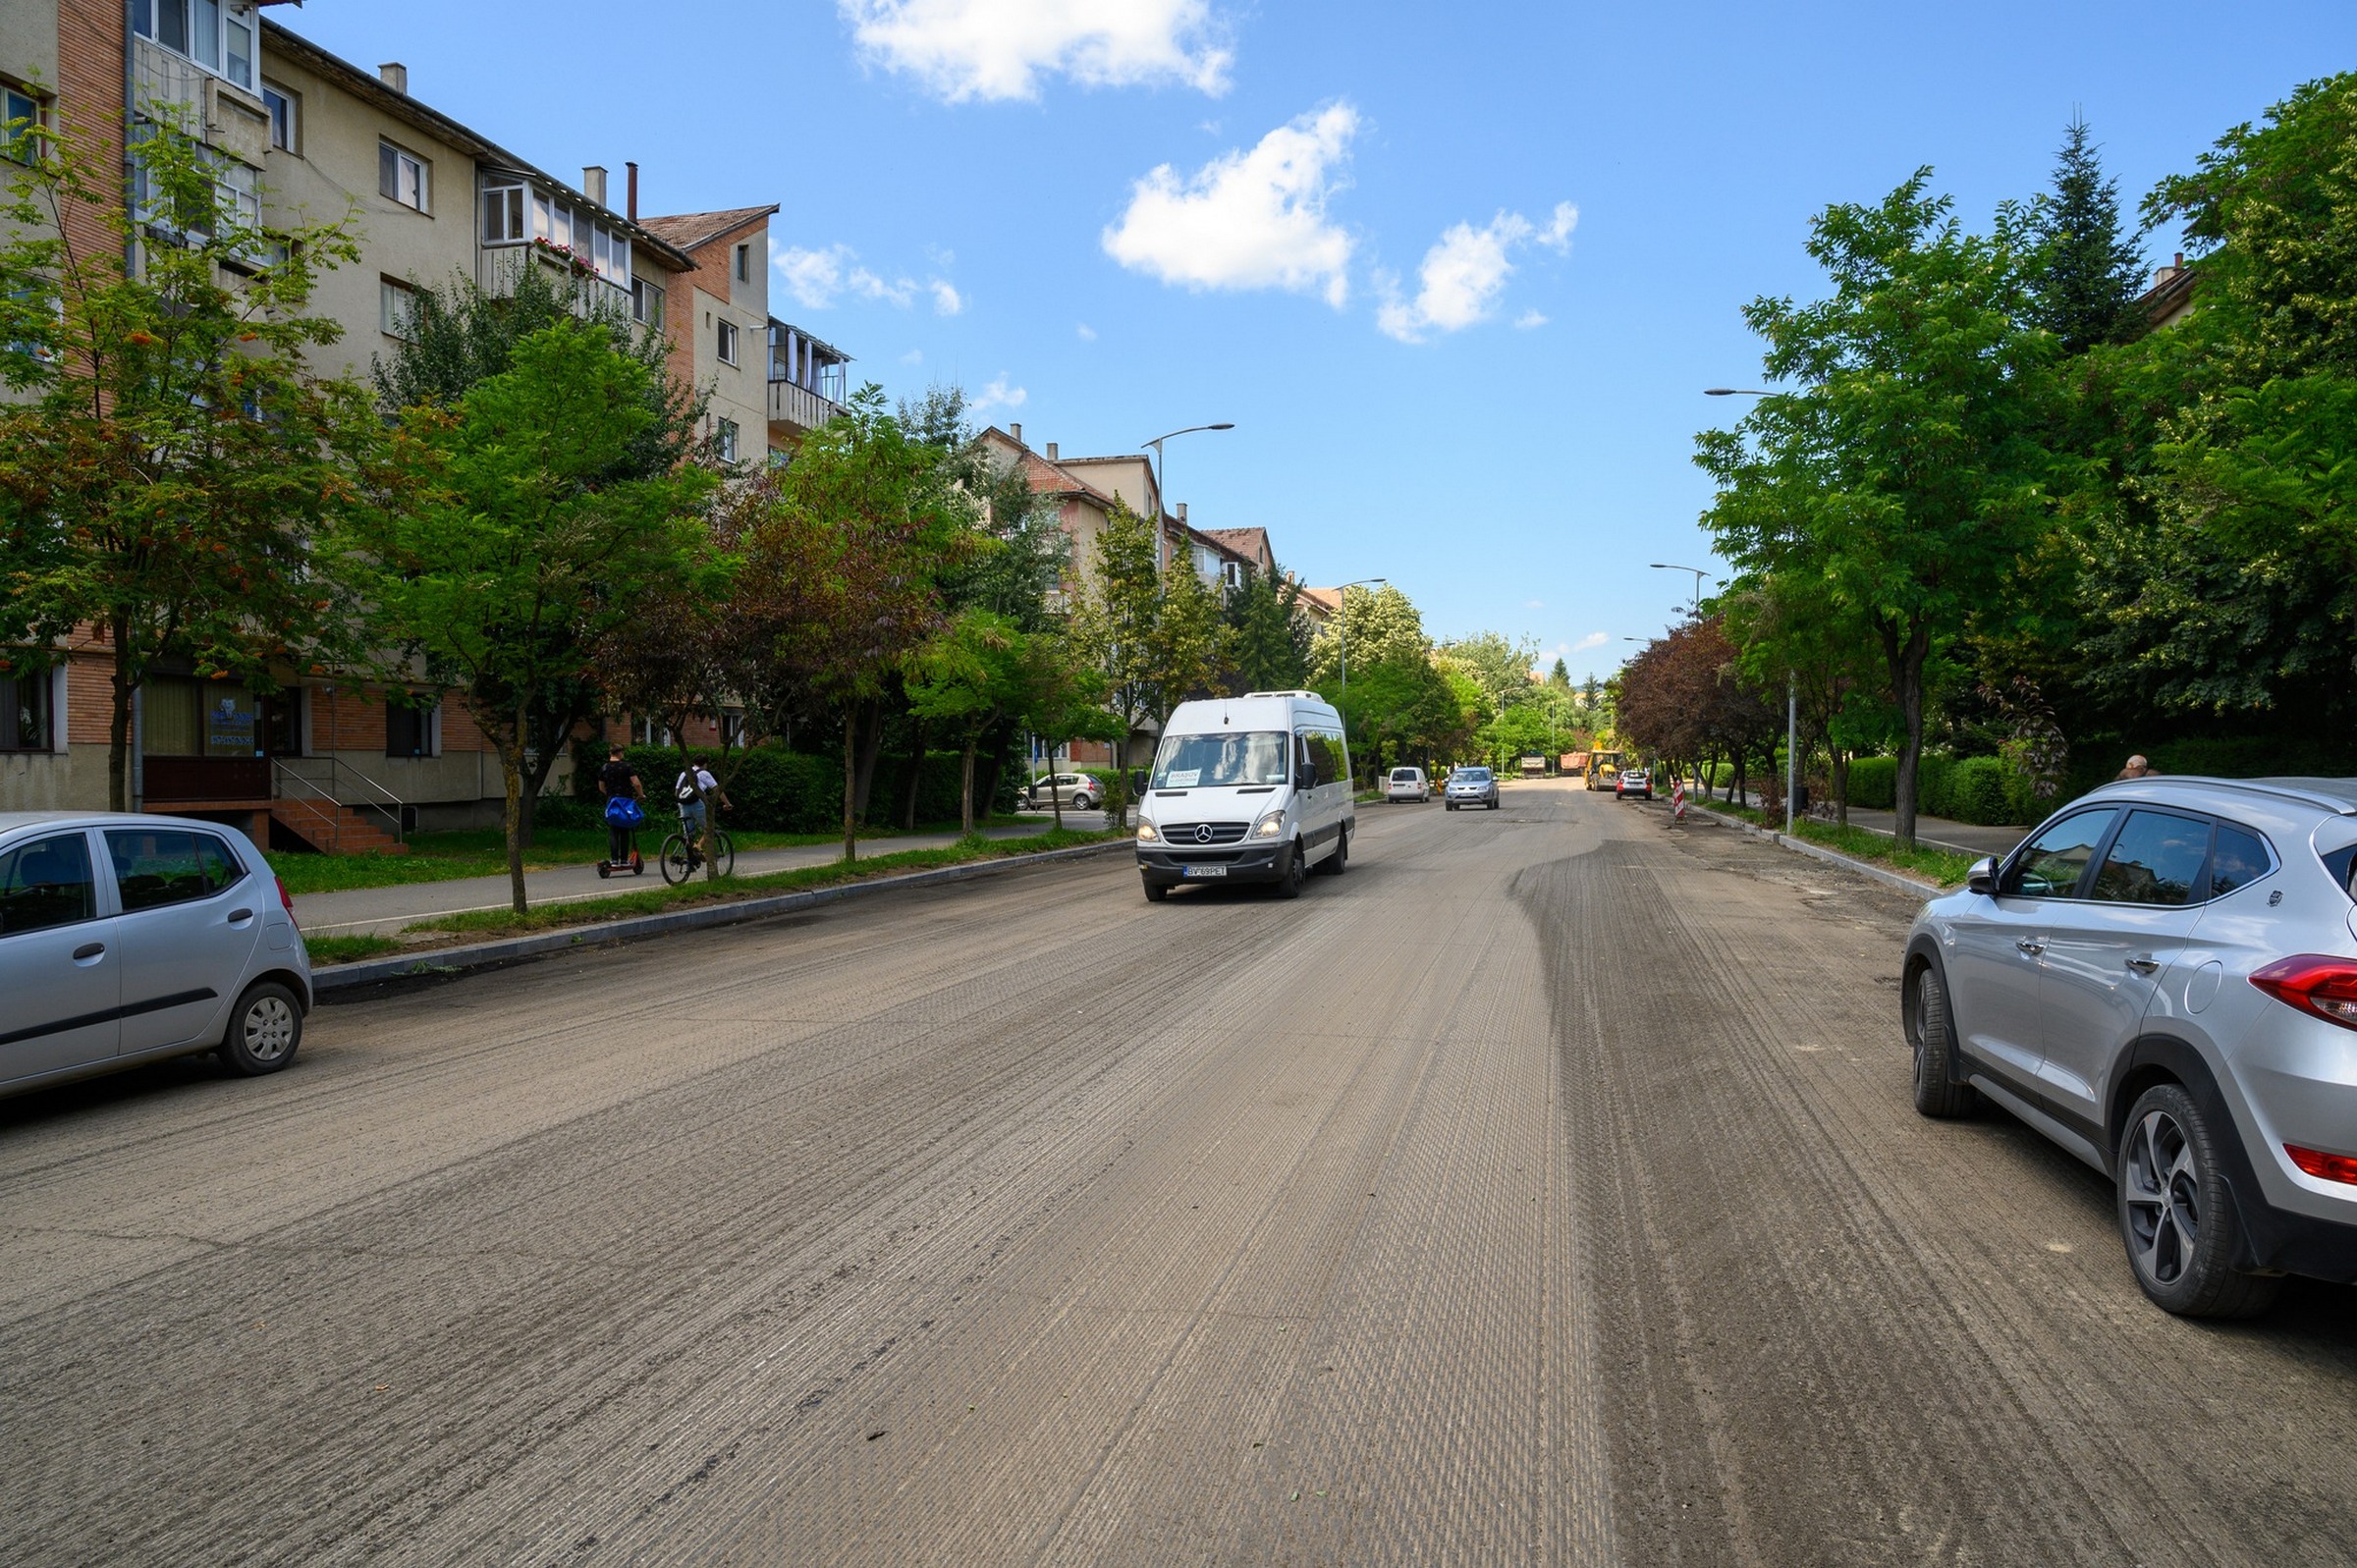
(1906, 685)
(850, 794)
(965, 790)
(118, 726)
(510, 767)
(914, 778)
(1055, 795)
(867, 721)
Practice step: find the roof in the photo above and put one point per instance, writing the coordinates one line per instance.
(691, 231)
(1250, 541)
(373, 89)
(2170, 294)
(1050, 478)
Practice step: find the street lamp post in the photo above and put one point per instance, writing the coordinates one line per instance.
(1159, 490)
(1696, 607)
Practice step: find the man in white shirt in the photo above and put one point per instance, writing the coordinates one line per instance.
(696, 786)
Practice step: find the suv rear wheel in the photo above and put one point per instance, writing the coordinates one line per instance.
(2177, 1216)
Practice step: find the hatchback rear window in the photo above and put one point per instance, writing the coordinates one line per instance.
(157, 867)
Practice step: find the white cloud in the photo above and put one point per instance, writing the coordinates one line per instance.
(1594, 639)
(818, 277)
(999, 395)
(996, 49)
(1462, 276)
(1533, 603)
(1247, 219)
(914, 357)
(1088, 334)
(1529, 319)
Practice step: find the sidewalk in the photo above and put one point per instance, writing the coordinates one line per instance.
(384, 911)
(1938, 833)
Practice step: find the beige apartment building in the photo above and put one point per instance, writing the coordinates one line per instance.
(306, 137)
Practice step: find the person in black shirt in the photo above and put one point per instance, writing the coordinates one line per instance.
(616, 780)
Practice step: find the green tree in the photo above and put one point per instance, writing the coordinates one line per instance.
(975, 673)
(169, 459)
(536, 540)
(1154, 636)
(2084, 273)
(1379, 623)
(1267, 634)
(1909, 473)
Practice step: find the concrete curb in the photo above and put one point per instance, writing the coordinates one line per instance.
(1881, 874)
(637, 928)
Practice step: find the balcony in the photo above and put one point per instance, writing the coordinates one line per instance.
(807, 379)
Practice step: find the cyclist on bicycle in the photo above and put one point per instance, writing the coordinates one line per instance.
(695, 787)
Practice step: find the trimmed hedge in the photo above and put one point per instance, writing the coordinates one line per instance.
(776, 790)
(1874, 783)
(1984, 790)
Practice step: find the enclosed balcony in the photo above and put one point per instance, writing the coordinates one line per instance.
(809, 381)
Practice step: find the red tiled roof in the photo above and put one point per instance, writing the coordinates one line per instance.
(1053, 479)
(688, 229)
(1249, 542)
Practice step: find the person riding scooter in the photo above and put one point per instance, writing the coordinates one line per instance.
(619, 783)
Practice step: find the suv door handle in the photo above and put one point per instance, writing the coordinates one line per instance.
(2143, 964)
(2031, 946)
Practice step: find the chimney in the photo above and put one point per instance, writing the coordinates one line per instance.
(1181, 513)
(594, 183)
(1051, 452)
(1016, 431)
(631, 212)
(395, 75)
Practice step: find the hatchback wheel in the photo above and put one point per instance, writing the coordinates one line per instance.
(1933, 1035)
(2177, 1216)
(265, 1028)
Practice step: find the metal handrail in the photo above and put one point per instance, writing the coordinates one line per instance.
(336, 789)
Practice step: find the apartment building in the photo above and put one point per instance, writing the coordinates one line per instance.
(306, 137)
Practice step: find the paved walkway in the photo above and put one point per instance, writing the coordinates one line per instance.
(1938, 833)
(384, 911)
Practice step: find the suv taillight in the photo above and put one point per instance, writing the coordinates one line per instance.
(2315, 984)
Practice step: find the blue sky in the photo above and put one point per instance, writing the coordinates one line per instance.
(1456, 271)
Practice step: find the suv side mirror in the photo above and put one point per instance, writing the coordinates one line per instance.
(1982, 877)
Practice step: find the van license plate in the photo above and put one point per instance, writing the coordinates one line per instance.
(1204, 871)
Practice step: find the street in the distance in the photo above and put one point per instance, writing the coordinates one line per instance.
(1545, 1189)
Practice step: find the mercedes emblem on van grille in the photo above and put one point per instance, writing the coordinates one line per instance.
(1203, 833)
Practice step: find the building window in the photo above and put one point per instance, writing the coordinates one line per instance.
(404, 177)
(412, 732)
(21, 112)
(25, 716)
(646, 303)
(196, 28)
(282, 106)
(728, 342)
(503, 215)
(732, 729)
(744, 263)
(397, 308)
(646, 731)
(726, 440)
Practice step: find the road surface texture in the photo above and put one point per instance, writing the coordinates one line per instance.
(1544, 1190)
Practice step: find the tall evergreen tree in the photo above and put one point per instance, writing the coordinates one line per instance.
(2088, 273)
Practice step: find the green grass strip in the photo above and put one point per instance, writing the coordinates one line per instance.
(1943, 866)
(659, 898)
(344, 949)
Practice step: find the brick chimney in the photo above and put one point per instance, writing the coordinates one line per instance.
(392, 74)
(633, 212)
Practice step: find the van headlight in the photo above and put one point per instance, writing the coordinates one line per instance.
(1147, 834)
(1270, 826)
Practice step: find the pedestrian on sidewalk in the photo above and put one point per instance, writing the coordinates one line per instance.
(618, 781)
(2137, 768)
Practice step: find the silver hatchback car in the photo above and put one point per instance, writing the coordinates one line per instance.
(125, 938)
(2162, 980)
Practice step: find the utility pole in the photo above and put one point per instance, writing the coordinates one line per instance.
(1791, 742)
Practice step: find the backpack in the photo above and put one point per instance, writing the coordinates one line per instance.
(686, 789)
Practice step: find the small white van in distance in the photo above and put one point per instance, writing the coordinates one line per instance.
(1250, 788)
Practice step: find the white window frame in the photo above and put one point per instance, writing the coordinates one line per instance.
(725, 437)
(148, 22)
(396, 320)
(403, 162)
(724, 341)
(647, 301)
(284, 107)
(515, 199)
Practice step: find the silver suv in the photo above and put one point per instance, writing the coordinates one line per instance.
(2162, 980)
(125, 937)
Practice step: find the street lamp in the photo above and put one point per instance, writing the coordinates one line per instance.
(1735, 392)
(1663, 566)
(1344, 593)
(1159, 490)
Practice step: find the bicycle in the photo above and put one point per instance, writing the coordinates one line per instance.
(681, 859)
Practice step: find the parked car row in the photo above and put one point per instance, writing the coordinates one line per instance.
(2161, 979)
(126, 938)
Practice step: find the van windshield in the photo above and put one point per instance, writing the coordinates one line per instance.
(1221, 761)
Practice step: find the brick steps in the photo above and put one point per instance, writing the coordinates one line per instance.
(336, 829)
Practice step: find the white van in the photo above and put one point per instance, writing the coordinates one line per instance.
(1250, 788)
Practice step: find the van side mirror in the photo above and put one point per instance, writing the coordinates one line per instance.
(1982, 877)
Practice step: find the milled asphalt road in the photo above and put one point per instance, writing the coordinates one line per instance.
(1544, 1190)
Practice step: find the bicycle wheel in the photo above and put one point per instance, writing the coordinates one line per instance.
(724, 851)
(675, 860)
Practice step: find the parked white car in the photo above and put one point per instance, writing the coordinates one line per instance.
(1406, 783)
(127, 938)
